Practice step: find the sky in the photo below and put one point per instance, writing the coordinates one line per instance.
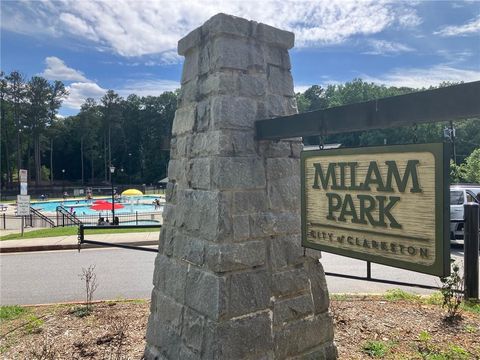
(130, 46)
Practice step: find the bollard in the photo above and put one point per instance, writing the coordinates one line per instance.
(470, 249)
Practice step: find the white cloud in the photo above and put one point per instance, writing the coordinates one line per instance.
(424, 77)
(382, 47)
(137, 28)
(301, 88)
(148, 87)
(57, 70)
(79, 91)
(472, 27)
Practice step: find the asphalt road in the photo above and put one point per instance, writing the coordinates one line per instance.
(50, 277)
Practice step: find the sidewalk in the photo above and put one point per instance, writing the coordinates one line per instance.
(71, 242)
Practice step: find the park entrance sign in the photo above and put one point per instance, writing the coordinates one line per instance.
(381, 204)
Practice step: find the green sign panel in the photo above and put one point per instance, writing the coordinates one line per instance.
(385, 204)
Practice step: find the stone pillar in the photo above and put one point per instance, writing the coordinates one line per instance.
(230, 279)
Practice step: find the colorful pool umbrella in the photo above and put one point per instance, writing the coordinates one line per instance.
(132, 192)
(105, 206)
(100, 202)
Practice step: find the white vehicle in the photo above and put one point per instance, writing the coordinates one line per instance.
(460, 194)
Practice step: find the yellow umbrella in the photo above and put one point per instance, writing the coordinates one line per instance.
(132, 192)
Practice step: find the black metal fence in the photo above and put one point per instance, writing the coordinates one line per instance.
(12, 222)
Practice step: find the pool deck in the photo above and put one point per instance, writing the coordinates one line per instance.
(71, 242)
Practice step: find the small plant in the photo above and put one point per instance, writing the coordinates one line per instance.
(34, 325)
(11, 312)
(376, 349)
(470, 329)
(88, 275)
(452, 292)
(458, 353)
(80, 311)
(398, 294)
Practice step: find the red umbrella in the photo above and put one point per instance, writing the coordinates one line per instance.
(100, 202)
(105, 206)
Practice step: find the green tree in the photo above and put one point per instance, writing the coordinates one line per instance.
(471, 167)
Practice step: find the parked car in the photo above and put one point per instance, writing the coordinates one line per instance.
(460, 194)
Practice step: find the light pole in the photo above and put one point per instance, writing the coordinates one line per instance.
(130, 168)
(63, 183)
(112, 170)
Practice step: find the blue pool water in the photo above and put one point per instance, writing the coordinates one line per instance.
(82, 207)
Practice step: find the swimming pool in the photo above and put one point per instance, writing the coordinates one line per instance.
(140, 204)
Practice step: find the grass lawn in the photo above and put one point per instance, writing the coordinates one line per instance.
(69, 230)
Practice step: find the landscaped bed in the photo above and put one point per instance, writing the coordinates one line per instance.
(394, 326)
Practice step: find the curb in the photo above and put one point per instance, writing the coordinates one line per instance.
(17, 249)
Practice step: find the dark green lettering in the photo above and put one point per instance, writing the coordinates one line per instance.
(324, 179)
(348, 203)
(384, 211)
(332, 208)
(410, 172)
(365, 211)
(373, 177)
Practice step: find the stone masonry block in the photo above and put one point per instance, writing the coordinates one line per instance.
(246, 202)
(170, 194)
(289, 282)
(274, 149)
(284, 193)
(190, 66)
(199, 175)
(243, 338)
(229, 257)
(318, 285)
(222, 24)
(188, 94)
(187, 354)
(204, 213)
(268, 224)
(191, 41)
(326, 351)
(249, 292)
(279, 38)
(298, 337)
(252, 85)
(189, 249)
(162, 340)
(218, 83)
(241, 227)
(230, 173)
(280, 81)
(229, 53)
(193, 330)
(285, 251)
(278, 57)
(202, 119)
(223, 143)
(233, 112)
(206, 293)
(291, 309)
(164, 326)
(170, 277)
(184, 120)
(279, 168)
(177, 171)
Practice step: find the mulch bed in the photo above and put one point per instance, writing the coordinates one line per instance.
(116, 330)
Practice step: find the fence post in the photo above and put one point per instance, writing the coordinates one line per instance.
(136, 217)
(470, 249)
(4, 221)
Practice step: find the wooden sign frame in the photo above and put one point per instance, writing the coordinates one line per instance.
(439, 244)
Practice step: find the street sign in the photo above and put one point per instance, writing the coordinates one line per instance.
(384, 204)
(23, 175)
(23, 204)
